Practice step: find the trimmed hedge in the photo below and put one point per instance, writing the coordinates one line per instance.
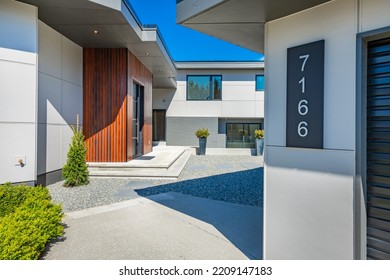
(28, 221)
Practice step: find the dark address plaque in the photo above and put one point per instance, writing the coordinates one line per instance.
(305, 95)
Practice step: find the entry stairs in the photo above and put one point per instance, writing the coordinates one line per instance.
(162, 162)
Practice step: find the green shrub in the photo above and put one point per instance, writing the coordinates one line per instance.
(75, 172)
(11, 197)
(202, 133)
(33, 222)
(259, 133)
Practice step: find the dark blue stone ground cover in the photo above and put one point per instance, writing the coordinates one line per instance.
(243, 186)
(235, 179)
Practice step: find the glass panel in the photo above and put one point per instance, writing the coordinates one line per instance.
(240, 135)
(217, 87)
(135, 91)
(233, 137)
(251, 143)
(259, 82)
(204, 87)
(134, 130)
(135, 107)
(134, 147)
(198, 87)
(245, 136)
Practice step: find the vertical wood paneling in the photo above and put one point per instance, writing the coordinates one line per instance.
(105, 90)
(138, 73)
(109, 75)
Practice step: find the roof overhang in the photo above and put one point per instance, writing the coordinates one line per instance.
(117, 27)
(233, 65)
(240, 22)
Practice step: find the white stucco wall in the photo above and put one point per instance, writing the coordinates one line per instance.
(239, 98)
(18, 91)
(374, 14)
(162, 98)
(18, 26)
(40, 94)
(60, 96)
(309, 194)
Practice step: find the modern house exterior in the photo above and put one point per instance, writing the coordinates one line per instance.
(60, 59)
(227, 98)
(327, 156)
(95, 61)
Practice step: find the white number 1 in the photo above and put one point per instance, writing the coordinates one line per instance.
(302, 81)
(305, 57)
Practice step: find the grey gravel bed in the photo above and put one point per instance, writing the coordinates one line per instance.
(236, 179)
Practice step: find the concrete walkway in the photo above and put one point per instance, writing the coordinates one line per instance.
(164, 226)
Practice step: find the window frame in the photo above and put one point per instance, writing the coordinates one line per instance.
(260, 126)
(203, 75)
(258, 75)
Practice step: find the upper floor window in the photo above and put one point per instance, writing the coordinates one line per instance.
(204, 87)
(259, 82)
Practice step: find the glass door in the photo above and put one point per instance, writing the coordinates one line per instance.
(137, 141)
(241, 135)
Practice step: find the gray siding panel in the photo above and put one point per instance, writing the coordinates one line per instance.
(181, 131)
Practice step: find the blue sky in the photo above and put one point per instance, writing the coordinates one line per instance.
(183, 43)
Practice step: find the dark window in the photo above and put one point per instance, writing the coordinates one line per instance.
(241, 135)
(259, 82)
(204, 87)
(159, 124)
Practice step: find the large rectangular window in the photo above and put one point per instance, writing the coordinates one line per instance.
(204, 87)
(241, 135)
(259, 82)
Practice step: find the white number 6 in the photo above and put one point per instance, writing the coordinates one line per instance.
(302, 108)
(302, 129)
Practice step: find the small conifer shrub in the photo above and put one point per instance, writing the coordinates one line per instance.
(75, 171)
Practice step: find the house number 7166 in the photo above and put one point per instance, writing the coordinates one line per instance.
(303, 105)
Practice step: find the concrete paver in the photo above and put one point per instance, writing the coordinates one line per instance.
(163, 226)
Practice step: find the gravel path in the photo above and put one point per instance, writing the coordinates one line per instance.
(236, 179)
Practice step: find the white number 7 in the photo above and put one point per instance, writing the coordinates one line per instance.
(305, 57)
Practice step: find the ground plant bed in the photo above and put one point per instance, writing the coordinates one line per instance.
(28, 221)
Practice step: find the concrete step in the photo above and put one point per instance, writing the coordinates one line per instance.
(132, 172)
(158, 158)
(171, 171)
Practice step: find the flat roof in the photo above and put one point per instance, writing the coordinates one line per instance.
(239, 65)
(241, 22)
(117, 26)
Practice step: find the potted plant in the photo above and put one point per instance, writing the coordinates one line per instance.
(202, 135)
(259, 135)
